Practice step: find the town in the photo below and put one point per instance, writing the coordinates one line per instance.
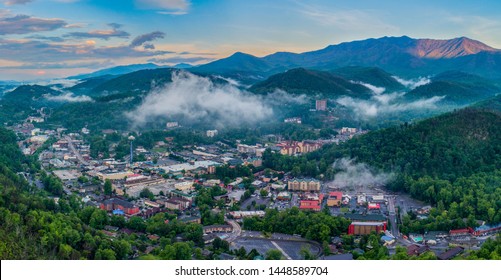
(166, 181)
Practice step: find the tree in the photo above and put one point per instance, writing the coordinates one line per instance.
(98, 219)
(106, 254)
(146, 193)
(108, 189)
(263, 193)
(274, 254)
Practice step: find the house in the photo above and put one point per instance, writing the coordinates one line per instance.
(334, 199)
(416, 250)
(450, 254)
(119, 204)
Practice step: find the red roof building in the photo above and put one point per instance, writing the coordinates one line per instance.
(460, 232)
(313, 205)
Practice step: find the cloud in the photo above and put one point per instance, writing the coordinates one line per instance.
(16, 2)
(197, 99)
(34, 51)
(353, 174)
(23, 24)
(141, 39)
(68, 97)
(374, 89)
(385, 104)
(46, 38)
(280, 97)
(163, 4)
(414, 83)
(348, 20)
(101, 34)
(168, 7)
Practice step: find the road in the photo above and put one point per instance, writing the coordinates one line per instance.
(393, 216)
(75, 152)
(237, 230)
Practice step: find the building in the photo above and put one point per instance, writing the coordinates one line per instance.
(373, 206)
(321, 105)
(365, 217)
(416, 250)
(334, 199)
(256, 162)
(172, 124)
(184, 186)
(365, 228)
(284, 196)
(450, 254)
(212, 133)
(119, 204)
(291, 148)
(217, 229)
(458, 233)
(245, 214)
(177, 203)
(313, 205)
(176, 193)
(486, 230)
(247, 149)
(151, 204)
(348, 130)
(304, 185)
(293, 120)
(113, 176)
(191, 220)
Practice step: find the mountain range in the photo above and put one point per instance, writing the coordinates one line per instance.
(400, 55)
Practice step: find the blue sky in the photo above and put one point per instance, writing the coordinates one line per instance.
(42, 39)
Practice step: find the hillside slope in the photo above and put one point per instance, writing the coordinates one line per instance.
(311, 82)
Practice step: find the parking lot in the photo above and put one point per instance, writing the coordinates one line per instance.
(290, 247)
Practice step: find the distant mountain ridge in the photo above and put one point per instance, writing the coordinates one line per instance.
(117, 70)
(400, 55)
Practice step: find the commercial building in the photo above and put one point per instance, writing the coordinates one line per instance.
(291, 148)
(307, 184)
(365, 228)
(321, 105)
(212, 133)
(184, 186)
(313, 205)
(244, 214)
(177, 203)
(334, 199)
(119, 204)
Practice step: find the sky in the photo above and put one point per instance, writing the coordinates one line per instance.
(44, 39)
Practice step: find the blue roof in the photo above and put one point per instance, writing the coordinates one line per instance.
(118, 212)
